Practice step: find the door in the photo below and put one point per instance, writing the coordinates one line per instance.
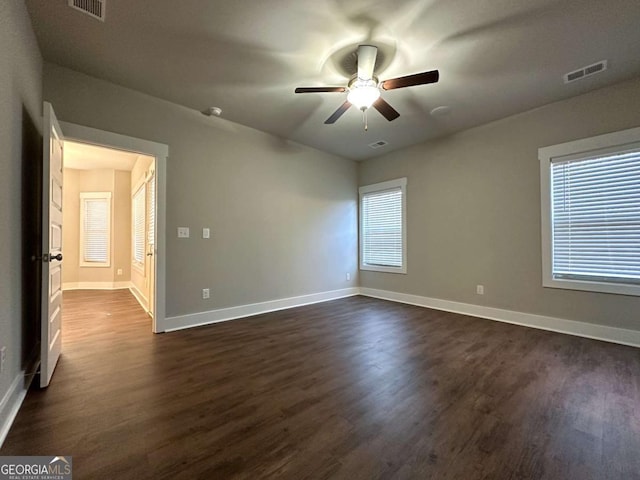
(51, 321)
(151, 241)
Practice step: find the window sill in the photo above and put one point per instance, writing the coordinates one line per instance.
(593, 286)
(379, 268)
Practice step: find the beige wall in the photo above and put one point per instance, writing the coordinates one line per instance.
(121, 254)
(139, 277)
(104, 180)
(20, 157)
(282, 216)
(473, 210)
(71, 225)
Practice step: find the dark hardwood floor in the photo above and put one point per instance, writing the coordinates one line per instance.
(351, 389)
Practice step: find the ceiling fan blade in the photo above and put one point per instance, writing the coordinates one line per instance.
(338, 113)
(385, 109)
(320, 89)
(366, 61)
(411, 80)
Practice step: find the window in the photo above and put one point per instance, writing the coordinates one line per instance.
(95, 229)
(151, 210)
(591, 214)
(138, 226)
(382, 227)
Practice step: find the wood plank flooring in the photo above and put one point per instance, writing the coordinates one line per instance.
(352, 389)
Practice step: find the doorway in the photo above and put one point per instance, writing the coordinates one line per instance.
(143, 272)
(109, 220)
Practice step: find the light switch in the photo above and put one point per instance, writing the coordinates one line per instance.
(183, 232)
(205, 233)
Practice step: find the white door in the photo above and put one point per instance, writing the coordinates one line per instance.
(151, 241)
(51, 321)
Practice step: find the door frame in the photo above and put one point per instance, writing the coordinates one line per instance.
(160, 152)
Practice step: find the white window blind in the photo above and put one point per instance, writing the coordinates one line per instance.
(151, 210)
(95, 228)
(382, 232)
(595, 208)
(138, 225)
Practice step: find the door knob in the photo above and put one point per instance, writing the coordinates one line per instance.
(55, 257)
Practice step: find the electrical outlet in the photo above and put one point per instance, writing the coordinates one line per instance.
(3, 358)
(480, 289)
(183, 232)
(119, 271)
(205, 293)
(348, 276)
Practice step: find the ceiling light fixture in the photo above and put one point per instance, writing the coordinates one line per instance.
(362, 93)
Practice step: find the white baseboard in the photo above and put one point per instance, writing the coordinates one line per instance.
(11, 403)
(223, 314)
(95, 285)
(560, 325)
(12, 400)
(142, 300)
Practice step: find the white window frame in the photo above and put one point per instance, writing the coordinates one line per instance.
(380, 187)
(139, 266)
(584, 148)
(95, 196)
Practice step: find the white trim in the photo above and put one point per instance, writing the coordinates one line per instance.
(15, 395)
(579, 149)
(553, 324)
(11, 403)
(388, 185)
(106, 139)
(95, 285)
(142, 300)
(379, 187)
(621, 138)
(138, 185)
(160, 151)
(224, 314)
(159, 247)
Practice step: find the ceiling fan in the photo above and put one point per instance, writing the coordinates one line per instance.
(364, 89)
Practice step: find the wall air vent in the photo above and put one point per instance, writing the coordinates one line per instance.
(378, 144)
(93, 8)
(585, 71)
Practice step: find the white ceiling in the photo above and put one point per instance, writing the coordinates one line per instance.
(82, 156)
(495, 57)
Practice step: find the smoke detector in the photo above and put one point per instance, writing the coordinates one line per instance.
(93, 8)
(212, 112)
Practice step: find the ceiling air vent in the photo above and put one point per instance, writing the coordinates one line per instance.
(93, 8)
(585, 71)
(378, 144)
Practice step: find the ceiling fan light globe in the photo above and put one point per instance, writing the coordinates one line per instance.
(363, 97)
